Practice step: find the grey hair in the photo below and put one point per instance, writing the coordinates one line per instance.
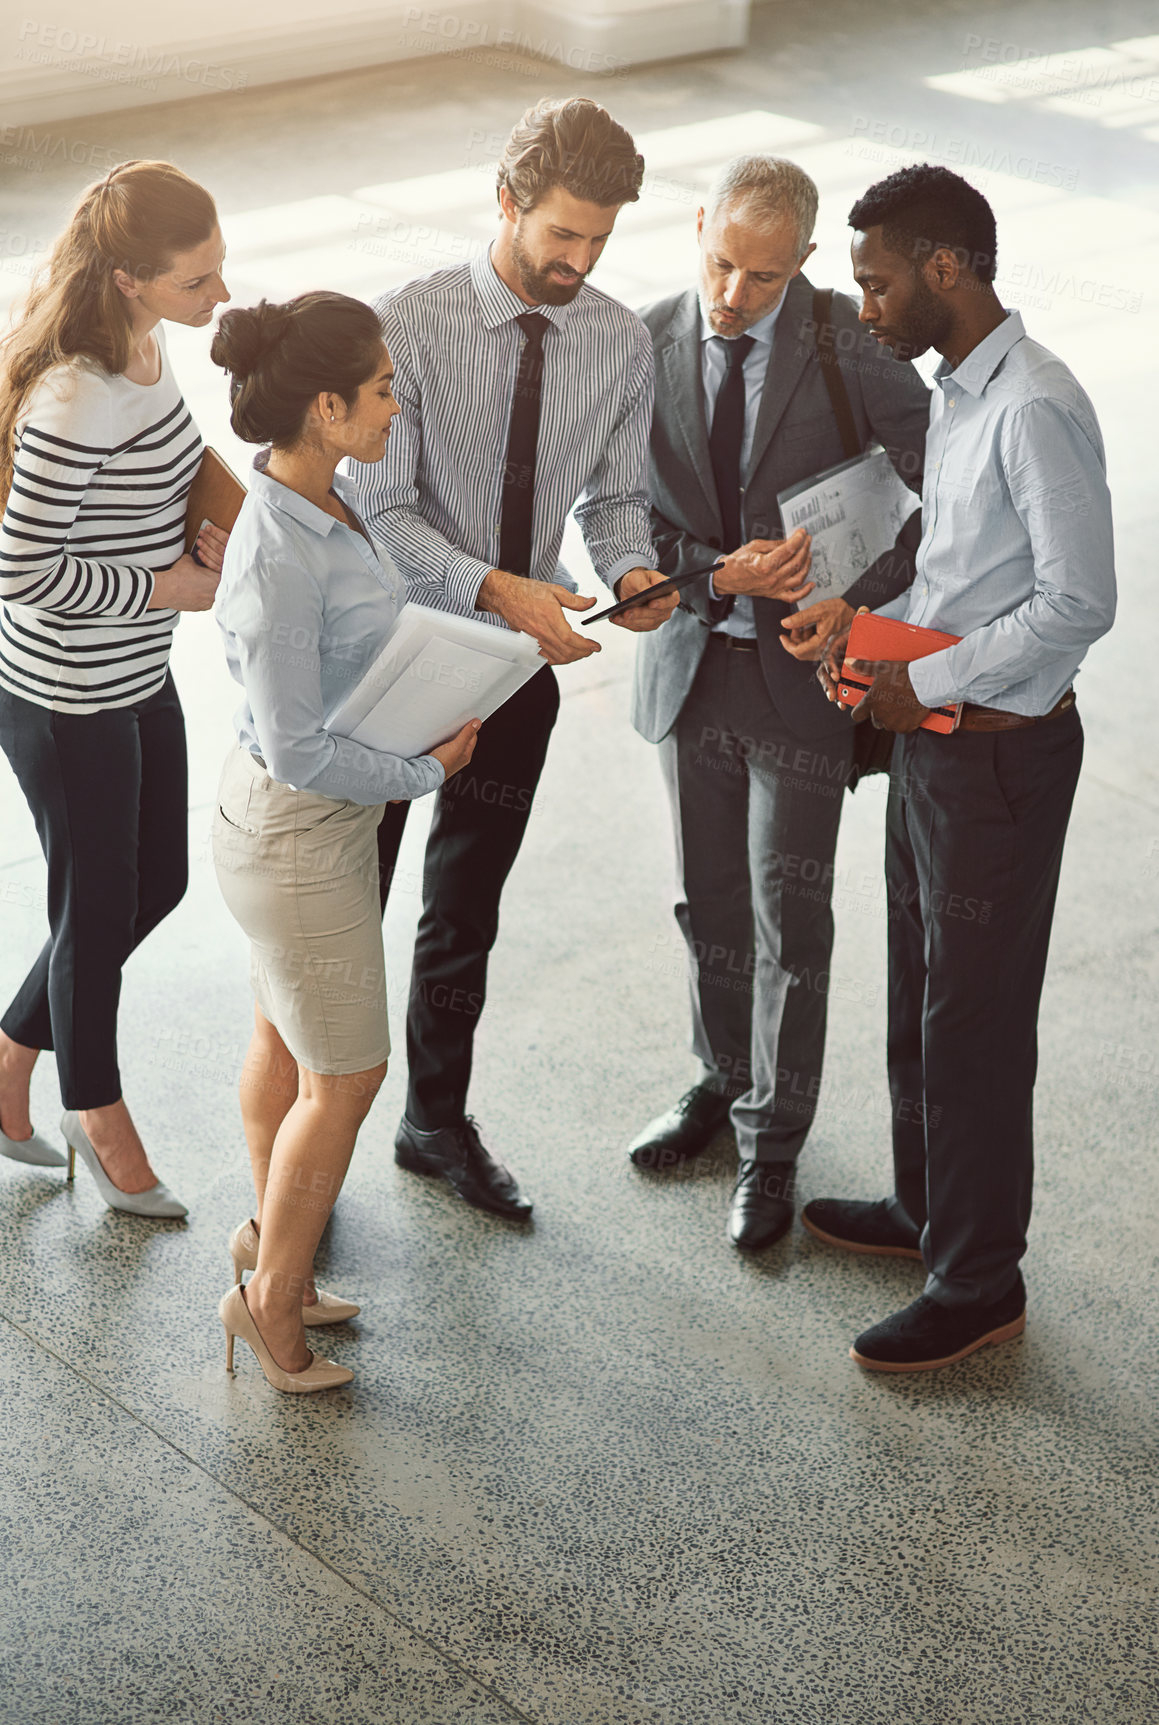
(765, 189)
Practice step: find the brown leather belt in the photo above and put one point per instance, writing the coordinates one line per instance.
(993, 719)
(735, 643)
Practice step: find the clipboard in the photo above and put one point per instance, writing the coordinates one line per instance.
(673, 585)
(216, 495)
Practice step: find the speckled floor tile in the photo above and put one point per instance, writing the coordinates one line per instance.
(136, 1588)
(603, 1471)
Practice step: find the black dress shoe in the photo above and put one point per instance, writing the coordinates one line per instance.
(859, 1226)
(926, 1335)
(762, 1204)
(682, 1132)
(457, 1155)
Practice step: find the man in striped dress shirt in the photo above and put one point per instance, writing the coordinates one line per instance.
(524, 392)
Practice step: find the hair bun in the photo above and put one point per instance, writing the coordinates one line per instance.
(284, 356)
(246, 335)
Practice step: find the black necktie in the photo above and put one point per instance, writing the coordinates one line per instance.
(519, 473)
(724, 445)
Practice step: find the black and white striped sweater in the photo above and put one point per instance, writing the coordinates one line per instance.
(103, 470)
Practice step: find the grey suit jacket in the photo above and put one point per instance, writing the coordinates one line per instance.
(796, 436)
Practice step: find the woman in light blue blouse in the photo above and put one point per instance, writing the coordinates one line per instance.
(305, 603)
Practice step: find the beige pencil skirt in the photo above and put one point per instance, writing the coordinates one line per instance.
(299, 873)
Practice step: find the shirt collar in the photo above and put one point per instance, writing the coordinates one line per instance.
(292, 503)
(497, 302)
(974, 372)
(761, 331)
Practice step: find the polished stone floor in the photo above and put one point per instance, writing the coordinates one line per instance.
(603, 1471)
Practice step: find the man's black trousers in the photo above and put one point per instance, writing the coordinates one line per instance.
(974, 842)
(480, 818)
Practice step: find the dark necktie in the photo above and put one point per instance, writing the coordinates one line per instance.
(519, 473)
(724, 445)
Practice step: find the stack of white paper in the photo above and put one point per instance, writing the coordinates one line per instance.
(854, 512)
(434, 672)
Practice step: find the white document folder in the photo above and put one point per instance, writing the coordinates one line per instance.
(434, 671)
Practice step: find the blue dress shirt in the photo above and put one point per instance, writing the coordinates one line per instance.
(1017, 554)
(740, 620)
(305, 603)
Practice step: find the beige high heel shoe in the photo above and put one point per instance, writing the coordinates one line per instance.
(320, 1374)
(327, 1309)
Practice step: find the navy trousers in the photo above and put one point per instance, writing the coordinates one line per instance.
(109, 794)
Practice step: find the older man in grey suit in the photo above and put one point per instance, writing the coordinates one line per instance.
(755, 759)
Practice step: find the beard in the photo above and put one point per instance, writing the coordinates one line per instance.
(927, 322)
(537, 284)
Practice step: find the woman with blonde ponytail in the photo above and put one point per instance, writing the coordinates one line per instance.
(97, 454)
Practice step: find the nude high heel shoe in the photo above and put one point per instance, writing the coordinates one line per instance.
(328, 1308)
(320, 1374)
(35, 1151)
(157, 1201)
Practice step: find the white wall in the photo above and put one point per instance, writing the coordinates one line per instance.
(81, 57)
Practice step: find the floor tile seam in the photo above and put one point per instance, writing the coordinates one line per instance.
(444, 1658)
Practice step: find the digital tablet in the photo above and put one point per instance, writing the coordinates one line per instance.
(673, 585)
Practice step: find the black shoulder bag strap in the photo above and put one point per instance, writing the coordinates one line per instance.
(831, 372)
(872, 749)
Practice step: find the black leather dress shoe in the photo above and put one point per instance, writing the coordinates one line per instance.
(762, 1204)
(682, 1132)
(857, 1225)
(926, 1335)
(457, 1155)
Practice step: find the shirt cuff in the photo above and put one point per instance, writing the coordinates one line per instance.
(932, 679)
(463, 579)
(610, 575)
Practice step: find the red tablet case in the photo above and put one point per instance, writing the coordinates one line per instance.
(873, 637)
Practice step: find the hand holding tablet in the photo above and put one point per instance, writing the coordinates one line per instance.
(657, 591)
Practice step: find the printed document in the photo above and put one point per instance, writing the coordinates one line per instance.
(854, 513)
